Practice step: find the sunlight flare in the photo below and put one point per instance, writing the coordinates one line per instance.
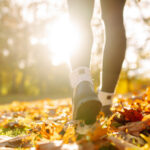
(64, 38)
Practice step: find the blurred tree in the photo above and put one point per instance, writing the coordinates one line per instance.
(25, 62)
(26, 55)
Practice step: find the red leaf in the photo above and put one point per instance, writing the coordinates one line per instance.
(132, 115)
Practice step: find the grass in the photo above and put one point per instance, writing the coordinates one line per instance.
(12, 132)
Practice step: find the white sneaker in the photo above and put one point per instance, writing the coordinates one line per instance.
(85, 102)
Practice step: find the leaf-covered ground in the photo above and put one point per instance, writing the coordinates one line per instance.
(47, 125)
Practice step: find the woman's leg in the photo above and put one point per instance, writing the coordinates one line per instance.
(115, 46)
(86, 104)
(81, 12)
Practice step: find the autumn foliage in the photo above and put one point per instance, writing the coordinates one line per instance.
(48, 124)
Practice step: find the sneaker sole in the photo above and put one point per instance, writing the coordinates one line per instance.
(88, 111)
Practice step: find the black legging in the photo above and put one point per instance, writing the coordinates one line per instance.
(115, 41)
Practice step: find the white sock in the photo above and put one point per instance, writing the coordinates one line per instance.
(105, 98)
(79, 75)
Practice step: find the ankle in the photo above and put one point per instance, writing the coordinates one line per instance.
(80, 75)
(105, 97)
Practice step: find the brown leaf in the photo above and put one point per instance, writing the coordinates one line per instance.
(48, 146)
(121, 144)
(135, 128)
(15, 142)
(88, 146)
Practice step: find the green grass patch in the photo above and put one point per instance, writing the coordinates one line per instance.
(12, 132)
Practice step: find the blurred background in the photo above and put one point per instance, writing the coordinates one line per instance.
(36, 39)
